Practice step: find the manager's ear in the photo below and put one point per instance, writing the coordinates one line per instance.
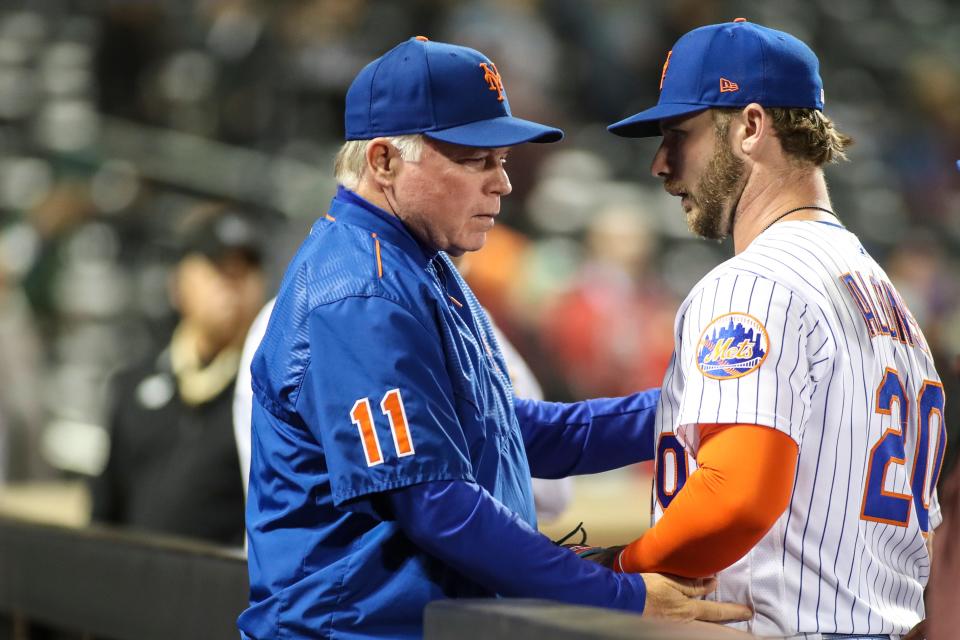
(383, 161)
(753, 128)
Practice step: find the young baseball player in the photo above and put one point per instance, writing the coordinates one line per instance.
(800, 427)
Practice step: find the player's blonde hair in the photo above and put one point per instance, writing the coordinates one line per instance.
(351, 160)
(807, 135)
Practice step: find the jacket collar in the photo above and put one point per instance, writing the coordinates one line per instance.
(348, 207)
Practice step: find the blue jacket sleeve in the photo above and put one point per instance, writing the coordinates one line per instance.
(463, 526)
(589, 436)
(367, 351)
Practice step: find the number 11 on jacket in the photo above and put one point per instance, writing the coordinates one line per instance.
(392, 407)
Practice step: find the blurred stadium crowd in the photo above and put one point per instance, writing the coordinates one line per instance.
(120, 118)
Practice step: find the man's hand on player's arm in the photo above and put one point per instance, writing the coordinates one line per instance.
(672, 597)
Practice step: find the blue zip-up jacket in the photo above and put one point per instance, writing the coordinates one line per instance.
(390, 462)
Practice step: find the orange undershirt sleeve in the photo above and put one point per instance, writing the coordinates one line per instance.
(743, 484)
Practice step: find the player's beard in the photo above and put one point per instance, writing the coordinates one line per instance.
(718, 192)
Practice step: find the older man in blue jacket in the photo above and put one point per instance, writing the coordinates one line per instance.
(391, 463)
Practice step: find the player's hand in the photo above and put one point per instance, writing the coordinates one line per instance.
(604, 556)
(675, 598)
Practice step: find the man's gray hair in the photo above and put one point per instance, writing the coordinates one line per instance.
(352, 158)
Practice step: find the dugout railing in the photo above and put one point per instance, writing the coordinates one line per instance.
(106, 584)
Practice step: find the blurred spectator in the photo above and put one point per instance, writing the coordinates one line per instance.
(932, 139)
(610, 331)
(173, 463)
(21, 409)
(920, 270)
(496, 275)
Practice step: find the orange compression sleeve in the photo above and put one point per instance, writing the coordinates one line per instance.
(743, 484)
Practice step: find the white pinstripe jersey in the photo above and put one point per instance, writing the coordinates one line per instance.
(804, 333)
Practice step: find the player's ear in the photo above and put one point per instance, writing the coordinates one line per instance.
(383, 161)
(754, 125)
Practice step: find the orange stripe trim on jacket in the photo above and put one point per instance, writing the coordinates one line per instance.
(376, 247)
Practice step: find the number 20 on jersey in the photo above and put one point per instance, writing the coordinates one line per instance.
(891, 507)
(392, 406)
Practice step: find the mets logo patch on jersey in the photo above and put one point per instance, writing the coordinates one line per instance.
(732, 346)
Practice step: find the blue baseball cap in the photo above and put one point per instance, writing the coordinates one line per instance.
(730, 65)
(444, 91)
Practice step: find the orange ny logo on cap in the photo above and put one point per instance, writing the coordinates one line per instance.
(728, 86)
(492, 77)
(666, 63)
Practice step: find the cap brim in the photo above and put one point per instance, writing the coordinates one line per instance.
(646, 124)
(505, 131)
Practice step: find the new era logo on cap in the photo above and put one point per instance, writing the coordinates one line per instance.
(728, 85)
(730, 65)
(443, 91)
